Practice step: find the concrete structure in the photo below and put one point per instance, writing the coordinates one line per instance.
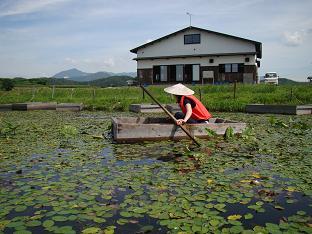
(196, 55)
(279, 109)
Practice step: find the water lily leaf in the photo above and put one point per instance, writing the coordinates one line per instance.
(235, 222)
(65, 230)
(290, 189)
(147, 228)
(122, 221)
(214, 222)
(236, 229)
(91, 230)
(234, 217)
(59, 218)
(126, 214)
(48, 223)
(20, 208)
(33, 223)
(279, 207)
(248, 216)
(300, 212)
(22, 232)
(15, 224)
(272, 228)
(99, 220)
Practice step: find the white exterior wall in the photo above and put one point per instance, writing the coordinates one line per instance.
(210, 43)
(203, 61)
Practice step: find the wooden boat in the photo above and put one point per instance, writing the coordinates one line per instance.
(136, 129)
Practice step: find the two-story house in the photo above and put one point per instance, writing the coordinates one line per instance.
(196, 55)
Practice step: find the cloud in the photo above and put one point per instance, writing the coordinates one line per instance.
(70, 60)
(294, 38)
(11, 8)
(96, 63)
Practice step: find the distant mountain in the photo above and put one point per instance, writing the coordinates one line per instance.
(111, 81)
(282, 81)
(77, 75)
(70, 74)
(132, 74)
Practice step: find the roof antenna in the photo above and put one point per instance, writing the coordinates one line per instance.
(190, 18)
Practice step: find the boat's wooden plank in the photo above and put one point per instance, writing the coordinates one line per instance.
(279, 109)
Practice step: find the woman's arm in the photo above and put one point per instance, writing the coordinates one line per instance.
(187, 115)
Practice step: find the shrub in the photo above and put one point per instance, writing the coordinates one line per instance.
(7, 85)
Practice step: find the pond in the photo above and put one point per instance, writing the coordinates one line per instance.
(61, 173)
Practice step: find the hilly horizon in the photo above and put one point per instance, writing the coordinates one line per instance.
(77, 75)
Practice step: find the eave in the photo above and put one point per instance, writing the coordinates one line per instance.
(194, 55)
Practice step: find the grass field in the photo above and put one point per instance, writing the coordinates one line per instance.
(216, 98)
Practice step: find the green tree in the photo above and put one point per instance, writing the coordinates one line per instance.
(7, 85)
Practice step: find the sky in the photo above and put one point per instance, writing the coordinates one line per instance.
(39, 38)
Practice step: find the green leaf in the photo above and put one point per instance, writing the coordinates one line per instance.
(229, 133)
(248, 216)
(59, 218)
(234, 217)
(91, 230)
(126, 214)
(214, 222)
(33, 223)
(48, 223)
(20, 208)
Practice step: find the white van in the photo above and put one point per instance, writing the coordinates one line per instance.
(271, 78)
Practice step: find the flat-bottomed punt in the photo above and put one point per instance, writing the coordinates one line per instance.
(138, 129)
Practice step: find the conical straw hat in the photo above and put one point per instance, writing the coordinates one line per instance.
(179, 89)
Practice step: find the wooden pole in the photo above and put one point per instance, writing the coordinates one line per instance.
(170, 115)
(53, 88)
(200, 94)
(235, 88)
(93, 95)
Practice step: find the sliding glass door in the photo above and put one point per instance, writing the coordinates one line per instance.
(195, 73)
(163, 73)
(179, 72)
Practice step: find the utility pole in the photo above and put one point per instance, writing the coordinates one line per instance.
(190, 15)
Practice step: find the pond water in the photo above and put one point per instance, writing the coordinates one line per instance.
(58, 174)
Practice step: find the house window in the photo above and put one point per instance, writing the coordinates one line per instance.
(228, 68)
(192, 39)
(231, 68)
(235, 67)
(211, 61)
(247, 60)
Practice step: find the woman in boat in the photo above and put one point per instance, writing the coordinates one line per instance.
(193, 111)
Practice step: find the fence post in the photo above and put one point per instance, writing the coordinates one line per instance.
(93, 95)
(33, 94)
(235, 89)
(291, 94)
(71, 95)
(200, 94)
(53, 88)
